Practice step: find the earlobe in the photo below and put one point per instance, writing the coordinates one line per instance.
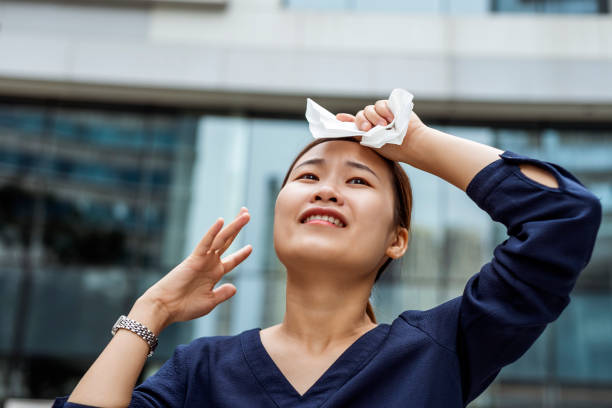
(400, 243)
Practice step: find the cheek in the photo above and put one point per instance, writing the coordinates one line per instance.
(373, 212)
(373, 225)
(285, 202)
(283, 215)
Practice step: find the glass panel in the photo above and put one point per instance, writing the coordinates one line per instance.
(413, 6)
(318, 4)
(9, 281)
(456, 6)
(274, 145)
(90, 205)
(584, 349)
(549, 6)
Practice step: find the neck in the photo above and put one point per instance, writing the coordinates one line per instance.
(322, 312)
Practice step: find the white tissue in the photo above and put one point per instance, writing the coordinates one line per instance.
(323, 124)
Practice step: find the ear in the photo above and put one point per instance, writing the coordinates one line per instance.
(398, 247)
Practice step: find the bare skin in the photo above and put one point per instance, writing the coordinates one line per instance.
(328, 281)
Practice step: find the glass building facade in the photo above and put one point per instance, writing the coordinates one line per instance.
(97, 204)
(458, 6)
(91, 211)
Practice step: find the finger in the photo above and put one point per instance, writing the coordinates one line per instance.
(205, 243)
(233, 260)
(223, 292)
(382, 108)
(227, 244)
(345, 117)
(231, 230)
(373, 116)
(362, 122)
(229, 241)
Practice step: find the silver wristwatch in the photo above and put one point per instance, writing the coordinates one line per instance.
(132, 325)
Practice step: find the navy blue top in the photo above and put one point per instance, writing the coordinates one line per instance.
(443, 357)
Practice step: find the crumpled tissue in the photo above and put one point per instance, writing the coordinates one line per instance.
(323, 124)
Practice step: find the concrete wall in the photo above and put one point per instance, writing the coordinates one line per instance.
(259, 55)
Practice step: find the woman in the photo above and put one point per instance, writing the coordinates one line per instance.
(329, 351)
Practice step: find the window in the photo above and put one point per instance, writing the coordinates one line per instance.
(455, 6)
(551, 6)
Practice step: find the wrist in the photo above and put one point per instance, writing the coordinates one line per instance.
(151, 313)
(417, 149)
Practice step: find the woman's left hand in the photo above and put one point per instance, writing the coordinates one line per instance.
(380, 114)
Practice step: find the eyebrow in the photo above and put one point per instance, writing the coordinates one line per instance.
(348, 163)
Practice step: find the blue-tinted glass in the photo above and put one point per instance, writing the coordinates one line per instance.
(160, 178)
(9, 278)
(455, 6)
(584, 345)
(106, 130)
(466, 6)
(549, 6)
(64, 298)
(413, 6)
(27, 121)
(318, 4)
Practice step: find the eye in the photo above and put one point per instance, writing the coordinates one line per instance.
(358, 180)
(307, 176)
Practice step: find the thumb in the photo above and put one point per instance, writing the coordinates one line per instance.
(223, 292)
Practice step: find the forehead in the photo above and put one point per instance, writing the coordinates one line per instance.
(342, 150)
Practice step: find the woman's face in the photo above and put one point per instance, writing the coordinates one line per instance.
(351, 184)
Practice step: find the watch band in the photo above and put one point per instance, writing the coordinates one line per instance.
(139, 329)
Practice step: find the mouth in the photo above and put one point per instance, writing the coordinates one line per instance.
(323, 216)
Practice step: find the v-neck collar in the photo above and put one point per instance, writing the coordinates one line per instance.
(280, 389)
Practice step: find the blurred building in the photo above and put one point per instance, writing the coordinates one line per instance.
(127, 127)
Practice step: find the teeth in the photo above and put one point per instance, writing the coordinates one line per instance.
(327, 218)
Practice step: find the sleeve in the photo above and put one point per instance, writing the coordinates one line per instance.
(551, 234)
(166, 388)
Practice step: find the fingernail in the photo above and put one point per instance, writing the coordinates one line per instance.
(364, 126)
(382, 123)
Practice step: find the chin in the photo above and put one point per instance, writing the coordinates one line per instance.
(315, 251)
(322, 249)
(318, 254)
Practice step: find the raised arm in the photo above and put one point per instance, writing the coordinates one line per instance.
(551, 235)
(449, 157)
(185, 293)
(552, 222)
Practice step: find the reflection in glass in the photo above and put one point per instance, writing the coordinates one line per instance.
(88, 202)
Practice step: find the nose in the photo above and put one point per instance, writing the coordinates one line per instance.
(327, 193)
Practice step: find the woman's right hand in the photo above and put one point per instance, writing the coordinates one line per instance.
(187, 291)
